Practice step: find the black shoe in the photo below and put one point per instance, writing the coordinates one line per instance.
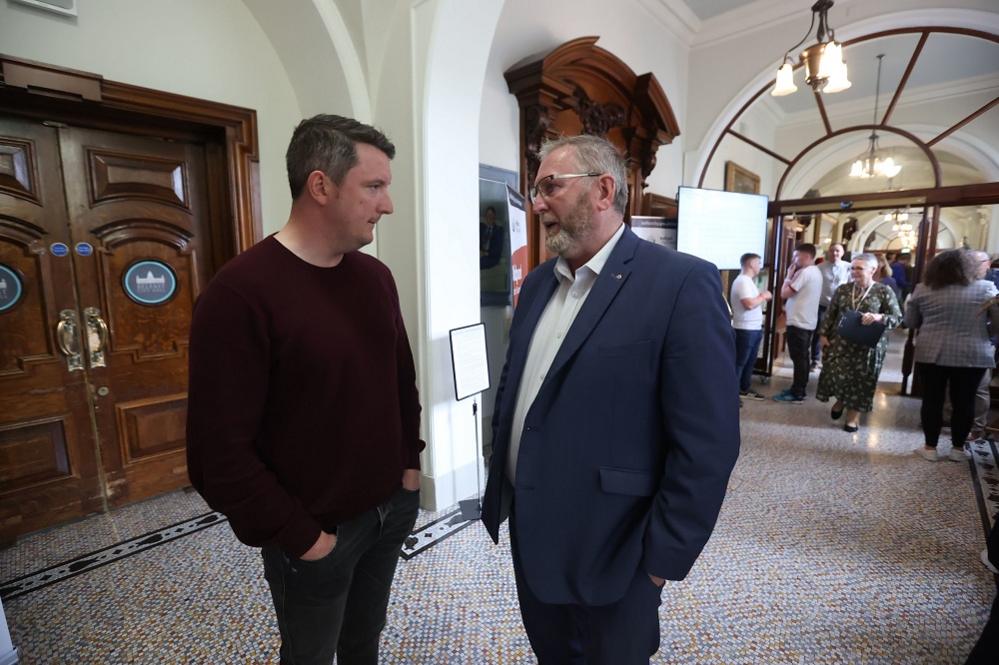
(851, 428)
(835, 414)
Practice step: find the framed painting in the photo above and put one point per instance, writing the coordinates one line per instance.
(738, 179)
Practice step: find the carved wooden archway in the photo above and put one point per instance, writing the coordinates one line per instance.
(579, 88)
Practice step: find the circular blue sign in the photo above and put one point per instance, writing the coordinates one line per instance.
(84, 248)
(150, 282)
(59, 249)
(11, 288)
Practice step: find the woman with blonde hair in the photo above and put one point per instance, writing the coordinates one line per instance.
(851, 368)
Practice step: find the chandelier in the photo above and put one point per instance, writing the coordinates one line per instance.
(871, 165)
(825, 70)
(901, 226)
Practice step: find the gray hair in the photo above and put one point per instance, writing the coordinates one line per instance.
(869, 259)
(594, 153)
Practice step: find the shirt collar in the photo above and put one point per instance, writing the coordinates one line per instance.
(595, 264)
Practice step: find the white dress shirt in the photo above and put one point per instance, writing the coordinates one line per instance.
(549, 334)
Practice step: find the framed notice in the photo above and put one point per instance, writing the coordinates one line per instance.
(469, 360)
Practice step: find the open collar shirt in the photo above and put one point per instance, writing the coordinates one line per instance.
(549, 334)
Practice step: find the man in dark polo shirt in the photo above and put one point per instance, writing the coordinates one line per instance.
(303, 414)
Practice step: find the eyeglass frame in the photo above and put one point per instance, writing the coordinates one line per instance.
(551, 178)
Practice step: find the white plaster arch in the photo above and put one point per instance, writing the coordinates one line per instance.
(458, 46)
(304, 34)
(858, 240)
(971, 19)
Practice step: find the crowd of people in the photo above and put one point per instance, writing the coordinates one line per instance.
(838, 315)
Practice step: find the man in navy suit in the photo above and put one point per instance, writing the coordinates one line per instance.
(616, 423)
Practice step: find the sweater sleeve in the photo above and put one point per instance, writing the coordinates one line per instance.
(409, 396)
(227, 394)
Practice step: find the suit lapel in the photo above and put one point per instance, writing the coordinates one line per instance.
(518, 356)
(610, 280)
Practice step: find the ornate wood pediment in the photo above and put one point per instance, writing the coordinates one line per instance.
(579, 88)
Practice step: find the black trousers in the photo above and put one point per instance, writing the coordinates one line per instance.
(622, 633)
(798, 341)
(963, 382)
(816, 347)
(337, 605)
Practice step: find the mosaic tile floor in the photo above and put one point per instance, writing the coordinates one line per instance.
(831, 548)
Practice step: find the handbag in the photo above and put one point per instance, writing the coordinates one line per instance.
(852, 330)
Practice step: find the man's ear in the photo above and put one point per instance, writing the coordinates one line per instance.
(320, 187)
(605, 192)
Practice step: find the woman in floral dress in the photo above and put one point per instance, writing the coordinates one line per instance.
(850, 371)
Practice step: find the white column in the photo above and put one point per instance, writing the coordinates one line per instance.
(8, 652)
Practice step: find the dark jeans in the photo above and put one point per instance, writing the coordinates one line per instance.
(622, 633)
(747, 344)
(816, 350)
(798, 340)
(337, 605)
(963, 383)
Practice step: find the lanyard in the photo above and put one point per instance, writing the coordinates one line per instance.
(853, 295)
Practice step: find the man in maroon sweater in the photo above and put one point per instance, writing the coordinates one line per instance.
(303, 415)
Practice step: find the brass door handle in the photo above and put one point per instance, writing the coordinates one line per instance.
(97, 337)
(68, 340)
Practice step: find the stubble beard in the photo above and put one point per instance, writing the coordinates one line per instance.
(575, 226)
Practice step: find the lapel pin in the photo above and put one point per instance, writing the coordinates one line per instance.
(617, 275)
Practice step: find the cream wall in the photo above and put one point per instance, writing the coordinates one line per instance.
(211, 50)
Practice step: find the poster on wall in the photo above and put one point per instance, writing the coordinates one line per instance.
(657, 230)
(494, 236)
(518, 240)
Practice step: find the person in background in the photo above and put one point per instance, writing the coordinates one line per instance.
(303, 420)
(884, 276)
(983, 396)
(802, 288)
(850, 371)
(900, 271)
(950, 308)
(835, 272)
(491, 237)
(747, 320)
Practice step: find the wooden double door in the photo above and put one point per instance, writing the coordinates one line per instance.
(103, 250)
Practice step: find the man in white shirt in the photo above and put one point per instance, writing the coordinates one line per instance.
(747, 319)
(802, 289)
(835, 272)
(616, 424)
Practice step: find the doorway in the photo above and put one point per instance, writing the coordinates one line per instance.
(109, 229)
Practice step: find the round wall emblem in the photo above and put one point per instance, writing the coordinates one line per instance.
(11, 288)
(59, 249)
(150, 282)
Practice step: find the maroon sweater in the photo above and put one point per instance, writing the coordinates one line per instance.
(302, 407)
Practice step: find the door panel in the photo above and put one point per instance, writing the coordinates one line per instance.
(48, 466)
(139, 203)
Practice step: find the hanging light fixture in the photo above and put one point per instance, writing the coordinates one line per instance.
(871, 165)
(825, 70)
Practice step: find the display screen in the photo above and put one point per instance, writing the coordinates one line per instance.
(721, 226)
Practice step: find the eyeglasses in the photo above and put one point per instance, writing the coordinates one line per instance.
(546, 187)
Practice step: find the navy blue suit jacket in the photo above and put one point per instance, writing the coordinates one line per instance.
(627, 449)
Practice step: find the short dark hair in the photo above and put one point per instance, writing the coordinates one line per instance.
(954, 266)
(807, 248)
(328, 143)
(746, 258)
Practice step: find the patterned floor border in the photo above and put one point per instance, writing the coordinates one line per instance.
(422, 539)
(985, 476)
(102, 557)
